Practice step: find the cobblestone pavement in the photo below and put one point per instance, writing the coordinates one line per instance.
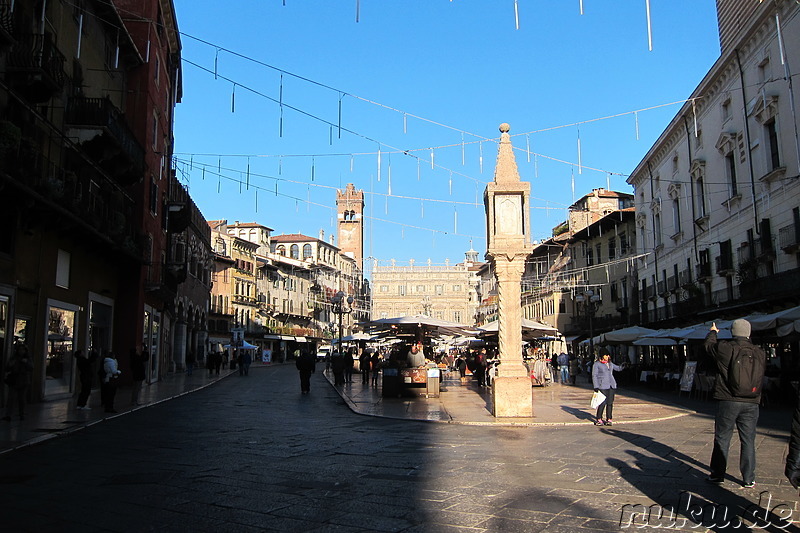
(253, 454)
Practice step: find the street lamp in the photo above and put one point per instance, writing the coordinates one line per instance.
(590, 302)
(341, 306)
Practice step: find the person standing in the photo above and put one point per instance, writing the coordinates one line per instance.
(190, 360)
(563, 366)
(306, 364)
(737, 398)
(461, 365)
(364, 367)
(604, 382)
(349, 363)
(792, 470)
(85, 366)
(108, 386)
(480, 367)
(138, 371)
(574, 367)
(17, 376)
(337, 367)
(375, 364)
(247, 360)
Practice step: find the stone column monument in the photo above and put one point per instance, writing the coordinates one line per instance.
(508, 245)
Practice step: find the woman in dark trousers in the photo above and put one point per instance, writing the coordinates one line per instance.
(603, 381)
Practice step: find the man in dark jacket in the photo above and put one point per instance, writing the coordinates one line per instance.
(793, 457)
(733, 411)
(306, 364)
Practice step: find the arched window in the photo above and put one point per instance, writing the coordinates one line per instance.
(294, 252)
(281, 250)
(307, 251)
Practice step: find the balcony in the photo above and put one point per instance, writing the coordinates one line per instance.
(100, 128)
(764, 249)
(724, 265)
(685, 277)
(789, 238)
(36, 67)
(703, 271)
(6, 24)
(784, 285)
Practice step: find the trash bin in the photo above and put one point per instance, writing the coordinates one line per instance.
(432, 389)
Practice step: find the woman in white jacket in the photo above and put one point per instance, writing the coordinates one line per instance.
(108, 383)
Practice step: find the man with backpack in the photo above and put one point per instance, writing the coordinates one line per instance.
(740, 373)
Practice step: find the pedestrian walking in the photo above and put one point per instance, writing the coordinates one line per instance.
(85, 364)
(364, 366)
(604, 382)
(17, 375)
(190, 360)
(793, 457)
(306, 365)
(108, 385)
(138, 373)
(563, 366)
(740, 367)
(553, 366)
(247, 360)
(461, 365)
(375, 365)
(337, 367)
(349, 363)
(217, 362)
(574, 369)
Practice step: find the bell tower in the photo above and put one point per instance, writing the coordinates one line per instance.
(350, 223)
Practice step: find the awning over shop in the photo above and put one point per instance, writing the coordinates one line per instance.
(300, 339)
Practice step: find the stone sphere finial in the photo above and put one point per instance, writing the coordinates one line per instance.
(505, 127)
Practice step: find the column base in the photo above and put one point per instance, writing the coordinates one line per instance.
(512, 397)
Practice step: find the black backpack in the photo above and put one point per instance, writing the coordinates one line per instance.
(745, 372)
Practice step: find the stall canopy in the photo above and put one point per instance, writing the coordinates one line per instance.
(530, 328)
(629, 334)
(357, 337)
(245, 346)
(420, 325)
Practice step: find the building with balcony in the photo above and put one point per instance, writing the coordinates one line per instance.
(718, 195)
(87, 92)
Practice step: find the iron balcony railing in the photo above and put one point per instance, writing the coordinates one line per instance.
(36, 53)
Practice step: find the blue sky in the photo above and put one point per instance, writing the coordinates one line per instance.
(419, 79)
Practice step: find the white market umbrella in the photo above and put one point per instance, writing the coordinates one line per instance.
(629, 334)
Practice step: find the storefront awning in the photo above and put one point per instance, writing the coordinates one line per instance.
(286, 337)
(300, 339)
(272, 337)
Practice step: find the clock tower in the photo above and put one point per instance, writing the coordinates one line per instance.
(350, 223)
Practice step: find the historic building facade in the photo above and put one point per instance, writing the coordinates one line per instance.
(718, 195)
(447, 292)
(86, 99)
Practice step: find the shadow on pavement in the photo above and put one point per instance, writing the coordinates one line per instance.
(700, 505)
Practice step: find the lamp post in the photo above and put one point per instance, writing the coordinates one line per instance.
(590, 302)
(341, 306)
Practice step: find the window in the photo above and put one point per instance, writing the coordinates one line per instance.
(401, 290)
(599, 248)
(675, 166)
(726, 110)
(294, 251)
(439, 289)
(771, 134)
(623, 243)
(676, 215)
(457, 317)
(420, 288)
(281, 250)
(62, 269)
(730, 169)
(456, 288)
(700, 196)
(612, 248)
(154, 133)
(589, 256)
(384, 288)
(307, 252)
(657, 230)
(153, 197)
